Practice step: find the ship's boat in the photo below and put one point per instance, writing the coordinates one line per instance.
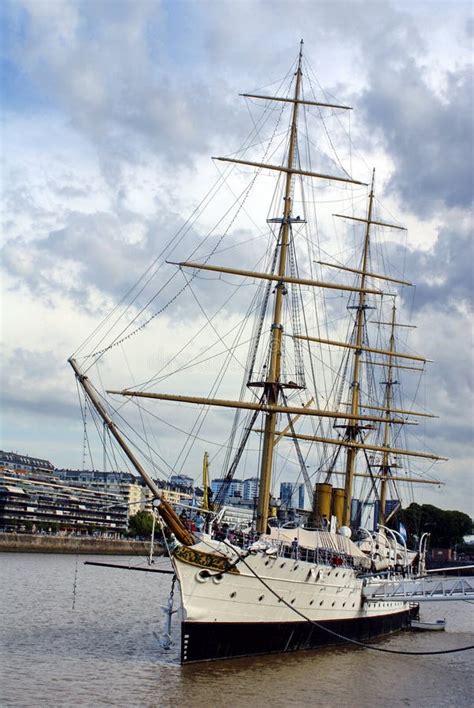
(311, 295)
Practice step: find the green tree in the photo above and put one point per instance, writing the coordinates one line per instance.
(141, 524)
(446, 528)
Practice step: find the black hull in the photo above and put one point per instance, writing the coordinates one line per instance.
(204, 641)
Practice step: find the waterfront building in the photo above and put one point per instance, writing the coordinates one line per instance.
(236, 488)
(181, 480)
(29, 502)
(19, 463)
(226, 490)
(292, 495)
(220, 489)
(130, 487)
(124, 484)
(250, 489)
(390, 505)
(178, 497)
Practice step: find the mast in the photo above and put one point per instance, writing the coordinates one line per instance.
(389, 383)
(272, 383)
(353, 427)
(205, 482)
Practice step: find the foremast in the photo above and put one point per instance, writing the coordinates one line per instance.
(272, 387)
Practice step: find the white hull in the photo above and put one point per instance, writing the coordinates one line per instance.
(273, 604)
(319, 592)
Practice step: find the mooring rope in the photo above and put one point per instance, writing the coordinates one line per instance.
(373, 647)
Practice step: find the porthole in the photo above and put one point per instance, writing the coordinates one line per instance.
(203, 576)
(337, 575)
(293, 600)
(267, 562)
(343, 604)
(282, 565)
(260, 598)
(311, 602)
(217, 578)
(233, 594)
(295, 566)
(320, 604)
(333, 604)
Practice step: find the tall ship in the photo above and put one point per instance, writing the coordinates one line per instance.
(280, 316)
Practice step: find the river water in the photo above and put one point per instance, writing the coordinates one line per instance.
(76, 635)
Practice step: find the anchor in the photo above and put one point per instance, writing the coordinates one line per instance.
(165, 640)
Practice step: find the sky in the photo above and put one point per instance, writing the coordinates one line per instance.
(111, 111)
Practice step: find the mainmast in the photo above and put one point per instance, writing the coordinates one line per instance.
(353, 428)
(272, 383)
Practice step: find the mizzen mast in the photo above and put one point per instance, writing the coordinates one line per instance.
(389, 384)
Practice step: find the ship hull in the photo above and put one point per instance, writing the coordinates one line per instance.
(206, 641)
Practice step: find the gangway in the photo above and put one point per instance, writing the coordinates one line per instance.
(424, 589)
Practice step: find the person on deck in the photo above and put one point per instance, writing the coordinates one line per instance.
(199, 521)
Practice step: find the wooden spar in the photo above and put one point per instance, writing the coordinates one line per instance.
(362, 446)
(250, 406)
(360, 347)
(396, 478)
(351, 431)
(295, 100)
(389, 323)
(370, 221)
(165, 510)
(289, 170)
(369, 275)
(401, 411)
(399, 366)
(273, 276)
(147, 569)
(293, 421)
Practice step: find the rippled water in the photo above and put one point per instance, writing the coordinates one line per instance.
(105, 652)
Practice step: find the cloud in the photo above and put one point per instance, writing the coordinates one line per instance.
(27, 386)
(427, 132)
(443, 274)
(110, 109)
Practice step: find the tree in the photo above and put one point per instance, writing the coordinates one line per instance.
(141, 524)
(446, 528)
